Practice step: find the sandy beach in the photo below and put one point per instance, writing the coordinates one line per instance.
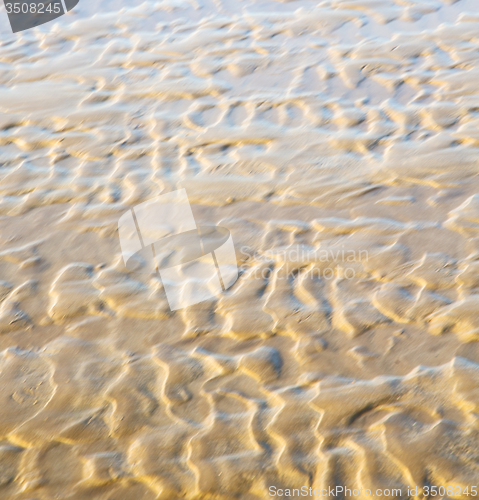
(338, 141)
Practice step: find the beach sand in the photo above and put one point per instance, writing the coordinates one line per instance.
(338, 141)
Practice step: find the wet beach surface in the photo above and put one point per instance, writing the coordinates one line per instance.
(338, 142)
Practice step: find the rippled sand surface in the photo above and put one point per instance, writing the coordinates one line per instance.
(349, 127)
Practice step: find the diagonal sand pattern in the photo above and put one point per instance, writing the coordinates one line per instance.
(338, 142)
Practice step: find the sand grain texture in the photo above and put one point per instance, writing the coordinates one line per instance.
(338, 141)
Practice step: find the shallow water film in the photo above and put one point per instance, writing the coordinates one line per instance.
(327, 338)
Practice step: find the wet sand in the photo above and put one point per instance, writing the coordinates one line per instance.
(338, 142)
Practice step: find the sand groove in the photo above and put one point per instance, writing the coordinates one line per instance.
(338, 142)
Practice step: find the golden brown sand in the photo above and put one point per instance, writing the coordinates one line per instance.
(343, 127)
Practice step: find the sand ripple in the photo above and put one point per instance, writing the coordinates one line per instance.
(338, 142)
